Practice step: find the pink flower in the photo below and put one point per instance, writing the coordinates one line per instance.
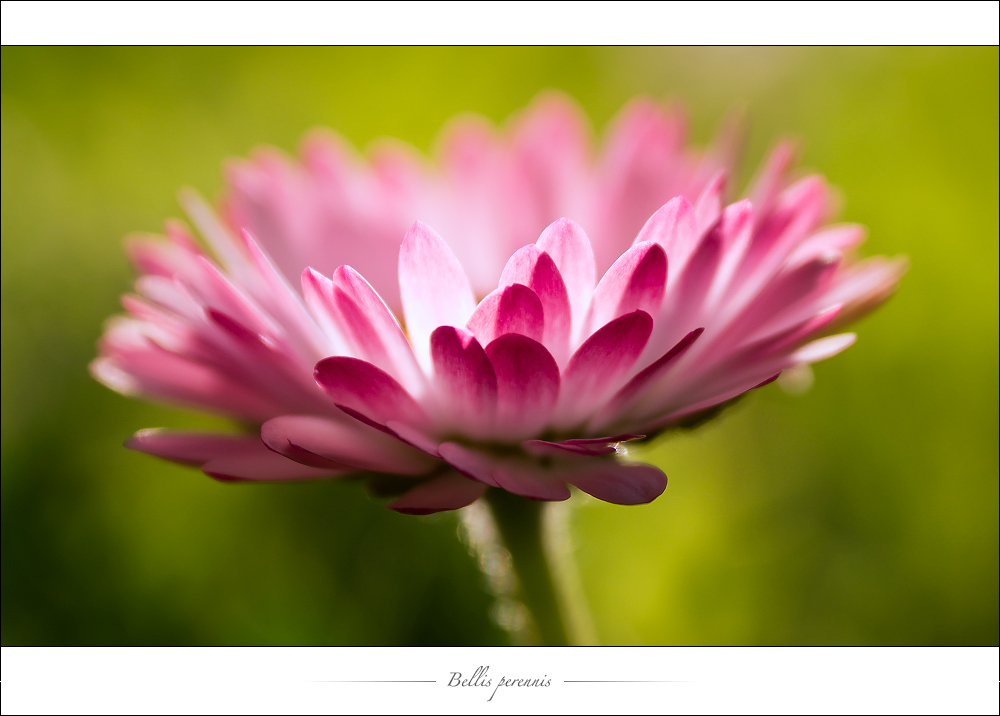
(537, 386)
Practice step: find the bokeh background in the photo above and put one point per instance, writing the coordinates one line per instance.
(863, 512)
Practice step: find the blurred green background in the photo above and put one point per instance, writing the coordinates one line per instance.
(863, 512)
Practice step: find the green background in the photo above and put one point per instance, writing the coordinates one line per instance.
(863, 512)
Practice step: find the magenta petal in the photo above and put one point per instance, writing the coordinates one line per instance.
(541, 448)
(643, 379)
(267, 363)
(675, 228)
(636, 281)
(450, 491)
(189, 448)
(348, 443)
(796, 213)
(601, 365)
(413, 436)
(527, 385)
(535, 269)
(469, 462)
(518, 476)
(622, 484)
(371, 328)
(433, 286)
(610, 440)
(230, 458)
(747, 384)
(531, 481)
(577, 446)
(263, 466)
(573, 255)
(512, 309)
(359, 387)
(693, 285)
(278, 297)
(465, 379)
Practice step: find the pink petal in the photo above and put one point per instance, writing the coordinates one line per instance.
(549, 147)
(840, 239)
(790, 335)
(735, 230)
(512, 309)
(636, 281)
(348, 443)
(151, 370)
(674, 227)
(222, 241)
(518, 476)
(621, 484)
(527, 385)
(650, 375)
(284, 304)
(759, 380)
(568, 246)
(610, 440)
(601, 365)
(189, 448)
(528, 480)
(577, 446)
(367, 392)
(782, 296)
(433, 287)
(543, 448)
(470, 462)
(317, 290)
(798, 211)
(768, 183)
(864, 286)
(481, 185)
(216, 290)
(735, 371)
(535, 269)
(156, 257)
(708, 207)
(687, 300)
(271, 366)
(263, 467)
(450, 491)
(372, 330)
(824, 348)
(418, 438)
(225, 457)
(465, 380)
(640, 167)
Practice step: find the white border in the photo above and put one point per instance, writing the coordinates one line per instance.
(551, 23)
(673, 680)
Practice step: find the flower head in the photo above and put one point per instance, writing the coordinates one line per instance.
(535, 386)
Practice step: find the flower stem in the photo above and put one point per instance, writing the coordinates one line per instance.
(522, 527)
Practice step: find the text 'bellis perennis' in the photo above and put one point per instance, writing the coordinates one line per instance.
(532, 388)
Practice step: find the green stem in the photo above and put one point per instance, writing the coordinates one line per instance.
(520, 523)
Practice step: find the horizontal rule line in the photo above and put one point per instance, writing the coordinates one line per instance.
(374, 681)
(622, 681)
